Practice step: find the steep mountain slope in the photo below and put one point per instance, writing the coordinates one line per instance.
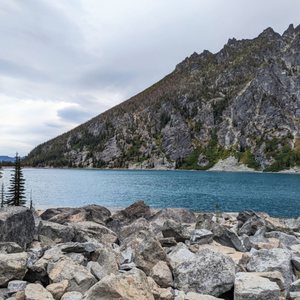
(243, 101)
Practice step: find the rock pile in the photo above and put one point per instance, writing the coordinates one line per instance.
(140, 254)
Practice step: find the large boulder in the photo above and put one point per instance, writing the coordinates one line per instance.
(273, 260)
(72, 296)
(89, 231)
(35, 291)
(94, 213)
(130, 285)
(106, 263)
(253, 286)
(80, 279)
(126, 216)
(285, 239)
(12, 266)
(144, 250)
(208, 273)
(17, 225)
(177, 230)
(178, 215)
(58, 289)
(179, 254)
(162, 274)
(56, 232)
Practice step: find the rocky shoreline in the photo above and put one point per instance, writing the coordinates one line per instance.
(137, 253)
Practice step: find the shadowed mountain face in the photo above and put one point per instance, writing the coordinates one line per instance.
(242, 101)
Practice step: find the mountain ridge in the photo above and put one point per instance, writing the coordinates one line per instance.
(242, 101)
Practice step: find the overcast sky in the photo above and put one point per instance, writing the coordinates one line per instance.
(65, 61)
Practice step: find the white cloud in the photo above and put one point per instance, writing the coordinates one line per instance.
(62, 62)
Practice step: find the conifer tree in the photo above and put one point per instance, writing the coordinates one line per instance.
(16, 191)
(2, 195)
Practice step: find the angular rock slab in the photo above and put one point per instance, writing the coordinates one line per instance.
(252, 286)
(208, 273)
(17, 225)
(80, 279)
(130, 285)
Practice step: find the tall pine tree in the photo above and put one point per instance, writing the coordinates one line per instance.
(16, 191)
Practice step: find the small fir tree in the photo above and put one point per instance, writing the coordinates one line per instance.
(16, 191)
(2, 195)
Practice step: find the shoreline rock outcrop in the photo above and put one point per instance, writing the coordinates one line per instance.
(138, 253)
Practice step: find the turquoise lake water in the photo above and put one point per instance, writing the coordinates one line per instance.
(276, 194)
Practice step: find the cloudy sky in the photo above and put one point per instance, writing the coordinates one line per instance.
(65, 61)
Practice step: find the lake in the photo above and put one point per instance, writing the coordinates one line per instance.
(276, 194)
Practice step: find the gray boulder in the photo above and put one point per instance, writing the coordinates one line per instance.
(56, 232)
(128, 215)
(176, 230)
(208, 273)
(72, 296)
(89, 231)
(17, 225)
(130, 285)
(12, 266)
(15, 286)
(10, 247)
(253, 286)
(178, 215)
(94, 213)
(162, 274)
(251, 226)
(80, 279)
(106, 264)
(273, 260)
(179, 254)
(285, 239)
(37, 292)
(144, 250)
(201, 236)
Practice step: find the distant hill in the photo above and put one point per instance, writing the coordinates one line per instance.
(6, 159)
(243, 101)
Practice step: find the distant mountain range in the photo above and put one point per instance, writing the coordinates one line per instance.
(243, 101)
(6, 159)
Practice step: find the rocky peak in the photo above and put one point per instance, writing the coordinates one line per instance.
(243, 101)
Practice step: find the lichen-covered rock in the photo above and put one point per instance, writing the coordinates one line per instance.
(130, 285)
(17, 225)
(12, 266)
(208, 273)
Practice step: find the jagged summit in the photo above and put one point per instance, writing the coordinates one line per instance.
(243, 101)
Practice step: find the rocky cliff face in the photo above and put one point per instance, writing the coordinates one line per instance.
(243, 101)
